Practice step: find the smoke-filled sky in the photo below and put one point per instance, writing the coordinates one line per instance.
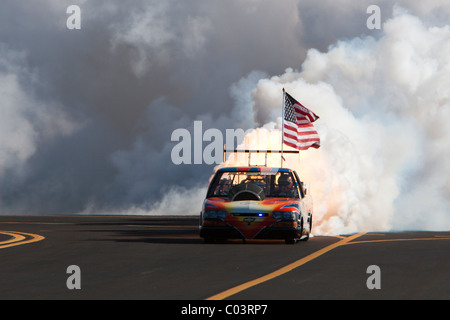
(86, 116)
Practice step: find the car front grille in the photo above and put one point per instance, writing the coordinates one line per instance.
(250, 214)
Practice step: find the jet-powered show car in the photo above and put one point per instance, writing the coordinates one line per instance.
(260, 202)
(256, 203)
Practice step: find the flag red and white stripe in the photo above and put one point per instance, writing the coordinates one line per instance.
(299, 132)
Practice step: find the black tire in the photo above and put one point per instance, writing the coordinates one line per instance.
(310, 229)
(306, 238)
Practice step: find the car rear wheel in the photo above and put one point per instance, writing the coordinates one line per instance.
(306, 238)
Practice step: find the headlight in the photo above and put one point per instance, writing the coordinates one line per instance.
(215, 214)
(284, 215)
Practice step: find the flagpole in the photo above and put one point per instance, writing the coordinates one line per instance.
(282, 128)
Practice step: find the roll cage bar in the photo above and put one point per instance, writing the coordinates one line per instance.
(250, 151)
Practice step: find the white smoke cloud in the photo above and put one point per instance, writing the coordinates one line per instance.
(24, 119)
(17, 143)
(154, 33)
(383, 106)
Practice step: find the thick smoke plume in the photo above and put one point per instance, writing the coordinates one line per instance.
(384, 104)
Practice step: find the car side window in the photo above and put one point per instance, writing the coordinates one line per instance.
(286, 185)
(299, 185)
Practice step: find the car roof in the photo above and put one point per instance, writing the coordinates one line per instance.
(253, 169)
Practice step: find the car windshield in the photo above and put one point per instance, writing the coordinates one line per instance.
(274, 184)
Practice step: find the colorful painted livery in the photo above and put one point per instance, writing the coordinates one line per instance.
(256, 203)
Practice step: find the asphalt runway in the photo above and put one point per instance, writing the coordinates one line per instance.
(163, 258)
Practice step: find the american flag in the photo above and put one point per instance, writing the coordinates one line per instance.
(299, 131)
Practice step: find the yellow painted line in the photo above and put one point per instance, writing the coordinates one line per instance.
(15, 238)
(18, 238)
(227, 293)
(395, 240)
